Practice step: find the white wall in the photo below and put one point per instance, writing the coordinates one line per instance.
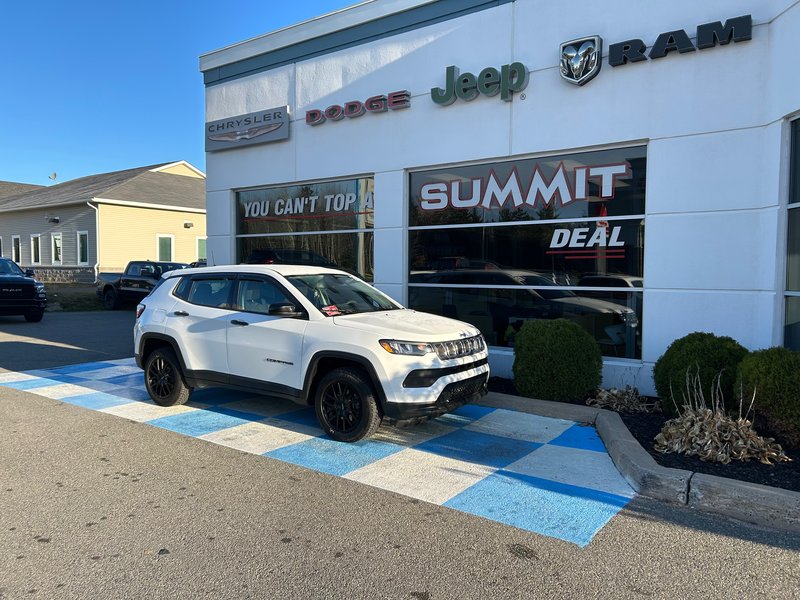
(713, 121)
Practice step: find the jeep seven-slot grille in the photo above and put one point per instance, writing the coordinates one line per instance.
(463, 391)
(459, 348)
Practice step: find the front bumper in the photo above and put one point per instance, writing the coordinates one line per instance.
(23, 307)
(454, 395)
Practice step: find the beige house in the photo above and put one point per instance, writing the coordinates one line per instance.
(73, 230)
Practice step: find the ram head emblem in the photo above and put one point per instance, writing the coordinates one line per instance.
(581, 59)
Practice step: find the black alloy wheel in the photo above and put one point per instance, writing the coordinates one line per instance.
(345, 405)
(110, 300)
(163, 379)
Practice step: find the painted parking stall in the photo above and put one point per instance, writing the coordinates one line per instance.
(548, 476)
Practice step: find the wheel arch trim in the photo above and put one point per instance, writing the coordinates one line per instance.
(345, 357)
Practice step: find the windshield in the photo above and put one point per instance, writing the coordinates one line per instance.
(9, 268)
(340, 294)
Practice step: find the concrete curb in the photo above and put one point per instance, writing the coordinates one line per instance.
(758, 504)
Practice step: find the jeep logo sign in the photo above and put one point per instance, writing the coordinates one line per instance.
(489, 82)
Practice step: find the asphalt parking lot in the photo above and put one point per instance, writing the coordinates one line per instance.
(65, 338)
(480, 460)
(92, 485)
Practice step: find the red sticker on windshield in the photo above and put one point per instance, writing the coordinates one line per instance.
(331, 310)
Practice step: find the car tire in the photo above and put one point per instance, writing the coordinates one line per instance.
(34, 317)
(110, 299)
(346, 405)
(164, 380)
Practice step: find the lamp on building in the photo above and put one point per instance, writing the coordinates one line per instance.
(188, 224)
(52, 219)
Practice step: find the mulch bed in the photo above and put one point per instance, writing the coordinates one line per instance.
(644, 427)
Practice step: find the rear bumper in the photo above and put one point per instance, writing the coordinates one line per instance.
(454, 395)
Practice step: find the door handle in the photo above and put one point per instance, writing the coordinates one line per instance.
(181, 313)
(238, 322)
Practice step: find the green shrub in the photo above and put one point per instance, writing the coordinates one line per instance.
(556, 360)
(705, 354)
(774, 376)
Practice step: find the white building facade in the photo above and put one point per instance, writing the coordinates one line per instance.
(625, 165)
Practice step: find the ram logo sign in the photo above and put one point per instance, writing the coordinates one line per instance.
(581, 59)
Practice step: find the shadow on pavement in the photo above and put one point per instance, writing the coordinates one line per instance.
(64, 338)
(646, 509)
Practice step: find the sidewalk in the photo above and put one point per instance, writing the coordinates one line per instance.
(759, 504)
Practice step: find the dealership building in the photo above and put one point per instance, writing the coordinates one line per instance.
(633, 167)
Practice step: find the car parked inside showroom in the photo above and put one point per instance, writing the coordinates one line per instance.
(500, 301)
(313, 335)
(20, 292)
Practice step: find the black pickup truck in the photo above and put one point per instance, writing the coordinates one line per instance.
(135, 283)
(20, 293)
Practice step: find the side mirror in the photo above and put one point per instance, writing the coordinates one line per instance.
(283, 309)
(28, 272)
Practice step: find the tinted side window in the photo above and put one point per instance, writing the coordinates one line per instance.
(210, 292)
(258, 296)
(182, 289)
(134, 269)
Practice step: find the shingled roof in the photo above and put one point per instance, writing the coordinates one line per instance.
(142, 185)
(11, 188)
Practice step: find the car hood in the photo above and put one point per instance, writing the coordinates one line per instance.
(407, 324)
(595, 305)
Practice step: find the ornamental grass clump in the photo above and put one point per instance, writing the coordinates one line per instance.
(709, 433)
(627, 400)
(556, 360)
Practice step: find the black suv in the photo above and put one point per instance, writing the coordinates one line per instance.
(20, 293)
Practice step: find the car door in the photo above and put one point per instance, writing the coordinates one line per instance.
(129, 282)
(199, 321)
(265, 348)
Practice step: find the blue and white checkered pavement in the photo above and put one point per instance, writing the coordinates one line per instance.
(549, 476)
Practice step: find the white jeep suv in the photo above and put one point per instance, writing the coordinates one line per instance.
(309, 334)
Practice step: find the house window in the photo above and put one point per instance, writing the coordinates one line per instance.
(201, 248)
(16, 250)
(498, 244)
(36, 257)
(164, 244)
(791, 337)
(83, 247)
(55, 248)
(324, 223)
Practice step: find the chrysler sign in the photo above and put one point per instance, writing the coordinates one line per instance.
(260, 127)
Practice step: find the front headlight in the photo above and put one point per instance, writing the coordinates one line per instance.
(407, 348)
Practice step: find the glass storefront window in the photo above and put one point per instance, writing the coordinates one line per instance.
(558, 237)
(321, 223)
(352, 252)
(605, 183)
(793, 252)
(792, 324)
(792, 328)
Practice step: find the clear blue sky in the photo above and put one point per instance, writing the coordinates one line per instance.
(91, 87)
